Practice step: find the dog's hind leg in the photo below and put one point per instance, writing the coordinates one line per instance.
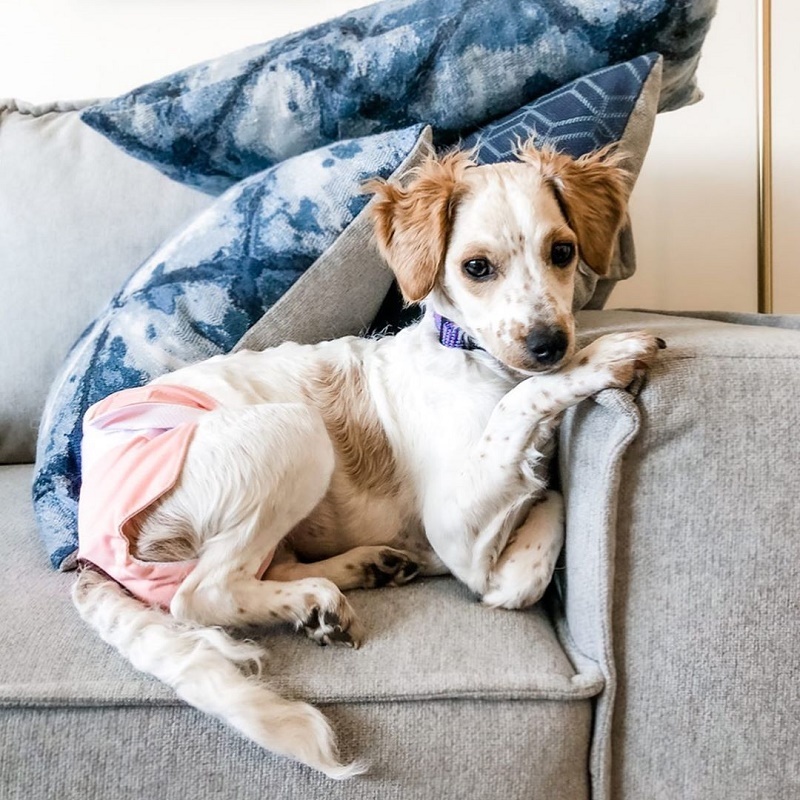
(251, 475)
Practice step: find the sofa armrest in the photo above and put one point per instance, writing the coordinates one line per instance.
(683, 562)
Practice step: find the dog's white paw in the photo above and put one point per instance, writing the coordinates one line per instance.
(521, 580)
(327, 617)
(524, 569)
(614, 360)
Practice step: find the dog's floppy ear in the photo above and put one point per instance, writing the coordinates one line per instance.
(593, 194)
(412, 222)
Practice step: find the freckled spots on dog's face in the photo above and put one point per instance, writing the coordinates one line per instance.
(507, 217)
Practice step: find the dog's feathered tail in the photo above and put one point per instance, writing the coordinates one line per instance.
(203, 666)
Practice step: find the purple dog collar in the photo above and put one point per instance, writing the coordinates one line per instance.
(450, 335)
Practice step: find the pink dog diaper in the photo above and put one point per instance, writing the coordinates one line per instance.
(134, 446)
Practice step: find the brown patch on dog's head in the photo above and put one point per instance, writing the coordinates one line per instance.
(412, 222)
(593, 193)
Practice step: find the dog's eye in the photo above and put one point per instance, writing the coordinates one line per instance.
(562, 253)
(478, 269)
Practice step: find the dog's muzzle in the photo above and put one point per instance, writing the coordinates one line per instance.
(547, 345)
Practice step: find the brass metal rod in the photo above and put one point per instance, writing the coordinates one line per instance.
(764, 50)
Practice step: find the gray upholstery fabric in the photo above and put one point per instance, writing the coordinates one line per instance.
(791, 321)
(683, 560)
(430, 750)
(594, 439)
(77, 216)
(444, 697)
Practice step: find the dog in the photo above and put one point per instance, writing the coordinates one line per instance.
(303, 471)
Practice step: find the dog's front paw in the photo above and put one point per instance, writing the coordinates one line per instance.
(328, 618)
(615, 360)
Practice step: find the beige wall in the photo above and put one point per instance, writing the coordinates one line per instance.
(71, 49)
(694, 208)
(695, 205)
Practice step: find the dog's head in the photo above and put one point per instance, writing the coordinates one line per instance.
(496, 247)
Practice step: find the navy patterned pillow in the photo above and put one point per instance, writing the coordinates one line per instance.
(199, 293)
(577, 118)
(454, 64)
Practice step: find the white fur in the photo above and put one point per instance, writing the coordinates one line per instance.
(468, 434)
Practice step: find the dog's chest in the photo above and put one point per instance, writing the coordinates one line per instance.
(385, 471)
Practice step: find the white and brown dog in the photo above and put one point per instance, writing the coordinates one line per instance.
(362, 462)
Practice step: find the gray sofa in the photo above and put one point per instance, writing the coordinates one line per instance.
(663, 663)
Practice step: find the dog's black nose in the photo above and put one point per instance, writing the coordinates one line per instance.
(547, 345)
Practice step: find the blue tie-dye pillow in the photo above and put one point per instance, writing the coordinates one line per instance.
(198, 294)
(454, 64)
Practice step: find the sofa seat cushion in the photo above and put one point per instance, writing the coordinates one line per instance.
(444, 693)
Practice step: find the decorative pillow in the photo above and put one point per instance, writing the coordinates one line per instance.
(454, 64)
(199, 293)
(615, 104)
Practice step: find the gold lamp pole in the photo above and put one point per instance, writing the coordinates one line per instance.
(765, 156)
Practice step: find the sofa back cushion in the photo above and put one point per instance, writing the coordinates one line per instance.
(77, 216)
